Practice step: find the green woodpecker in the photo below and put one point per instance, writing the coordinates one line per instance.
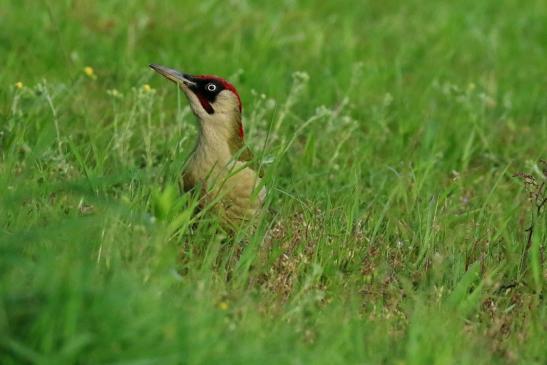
(219, 164)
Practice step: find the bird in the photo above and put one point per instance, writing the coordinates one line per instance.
(220, 165)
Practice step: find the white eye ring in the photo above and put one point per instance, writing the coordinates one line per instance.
(211, 87)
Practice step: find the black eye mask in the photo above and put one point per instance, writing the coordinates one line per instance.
(207, 91)
(207, 88)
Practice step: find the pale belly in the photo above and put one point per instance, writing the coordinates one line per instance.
(235, 195)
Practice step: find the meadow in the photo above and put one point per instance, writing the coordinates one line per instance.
(403, 144)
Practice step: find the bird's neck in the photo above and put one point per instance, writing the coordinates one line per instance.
(212, 146)
(217, 143)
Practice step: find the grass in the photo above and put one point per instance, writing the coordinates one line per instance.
(393, 134)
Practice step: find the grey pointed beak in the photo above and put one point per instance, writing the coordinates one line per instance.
(173, 75)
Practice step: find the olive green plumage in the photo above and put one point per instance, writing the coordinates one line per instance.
(219, 168)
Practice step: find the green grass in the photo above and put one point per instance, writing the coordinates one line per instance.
(396, 229)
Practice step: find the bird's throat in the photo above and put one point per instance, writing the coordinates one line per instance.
(212, 147)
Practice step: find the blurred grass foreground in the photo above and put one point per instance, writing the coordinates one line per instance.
(403, 146)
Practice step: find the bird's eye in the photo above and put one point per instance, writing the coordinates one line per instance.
(211, 87)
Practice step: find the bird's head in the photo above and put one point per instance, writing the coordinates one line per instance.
(213, 100)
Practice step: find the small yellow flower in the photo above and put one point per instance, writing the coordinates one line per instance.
(147, 89)
(90, 72)
(223, 306)
(19, 85)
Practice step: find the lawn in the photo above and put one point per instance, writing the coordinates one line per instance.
(403, 144)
